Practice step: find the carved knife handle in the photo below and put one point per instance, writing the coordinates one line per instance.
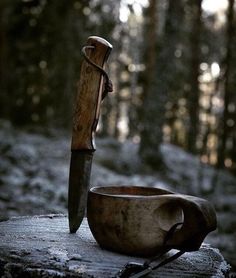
(89, 96)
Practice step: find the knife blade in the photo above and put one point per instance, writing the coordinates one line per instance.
(85, 120)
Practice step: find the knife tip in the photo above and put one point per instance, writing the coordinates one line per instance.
(74, 224)
(73, 230)
(73, 227)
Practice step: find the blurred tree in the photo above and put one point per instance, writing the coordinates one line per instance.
(226, 152)
(42, 55)
(110, 106)
(152, 112)
(193, 96)
(174, 56)
(164, 79)
(4, 98)
(119, 112)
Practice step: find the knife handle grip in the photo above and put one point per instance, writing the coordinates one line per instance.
(89, 96)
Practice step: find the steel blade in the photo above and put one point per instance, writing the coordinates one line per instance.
(80, 168)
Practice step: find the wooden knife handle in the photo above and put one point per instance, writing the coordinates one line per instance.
(89, 96)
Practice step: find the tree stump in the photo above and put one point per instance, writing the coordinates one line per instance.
(41, 246)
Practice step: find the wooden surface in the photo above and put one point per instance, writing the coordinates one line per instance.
(41, 246)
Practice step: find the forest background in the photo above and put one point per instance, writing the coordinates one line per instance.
(172, 66)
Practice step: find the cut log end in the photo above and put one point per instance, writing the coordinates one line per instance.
(42, 246)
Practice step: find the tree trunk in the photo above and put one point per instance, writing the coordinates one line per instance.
(228, 68)
(151, 117)
(193, 98)
(165, 77)
(4, 96)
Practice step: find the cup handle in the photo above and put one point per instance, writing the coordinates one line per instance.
(199, 220)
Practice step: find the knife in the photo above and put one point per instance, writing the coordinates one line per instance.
(93, 81)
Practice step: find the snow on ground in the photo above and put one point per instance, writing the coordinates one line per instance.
(34, 177)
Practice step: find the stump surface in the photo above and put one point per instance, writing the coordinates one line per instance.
(41, 246)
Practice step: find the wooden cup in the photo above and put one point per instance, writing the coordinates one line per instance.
(135, 220)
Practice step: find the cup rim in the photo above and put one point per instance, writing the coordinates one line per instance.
(150, 192)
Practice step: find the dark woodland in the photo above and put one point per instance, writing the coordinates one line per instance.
(173, 69)
(171, 116)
